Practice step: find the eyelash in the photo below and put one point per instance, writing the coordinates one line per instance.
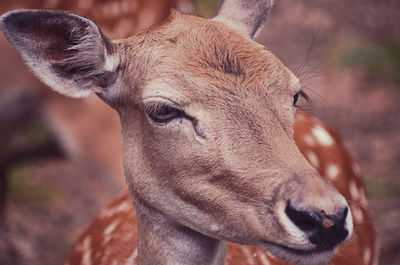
(302, 94)
(163, 113)
(156, 111)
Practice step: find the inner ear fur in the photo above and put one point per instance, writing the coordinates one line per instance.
(66, 51)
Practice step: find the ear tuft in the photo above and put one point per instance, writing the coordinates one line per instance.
(68, 52)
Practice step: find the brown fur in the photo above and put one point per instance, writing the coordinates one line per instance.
(248, 153)
(227, 167)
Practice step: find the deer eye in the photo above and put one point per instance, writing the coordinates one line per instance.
(298, 94)
(162, 113)
(295, 98)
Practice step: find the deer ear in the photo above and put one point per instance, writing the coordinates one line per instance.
(247, 16)
(66, 51)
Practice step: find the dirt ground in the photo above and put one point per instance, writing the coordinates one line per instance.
(347, 54)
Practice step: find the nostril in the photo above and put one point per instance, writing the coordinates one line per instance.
(306, 221)
(330, 237)
(323, 230)
(327, 221)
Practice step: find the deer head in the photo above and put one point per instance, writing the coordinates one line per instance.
(207, 119)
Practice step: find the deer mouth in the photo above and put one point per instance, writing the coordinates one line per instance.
(316, 256)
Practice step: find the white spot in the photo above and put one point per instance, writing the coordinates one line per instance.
(124, 206)
(309, 140)
(132, 258)
(356, 169)
(332, 171)
(367, 255)
(111, 227)
(312, 157)
(86, 251)
(354, 193)
(108, 231)
(323, 137)
(247, 253)
(263, 258)
(357, 214)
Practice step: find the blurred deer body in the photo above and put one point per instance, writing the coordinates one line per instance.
(207, 119)
(75, 121)
(118, 19)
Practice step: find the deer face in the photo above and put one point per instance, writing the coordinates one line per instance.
(213, 117)
(207, 119)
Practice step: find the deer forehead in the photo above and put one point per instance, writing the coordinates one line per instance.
(199, 60)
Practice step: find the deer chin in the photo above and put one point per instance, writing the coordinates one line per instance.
(301, 257)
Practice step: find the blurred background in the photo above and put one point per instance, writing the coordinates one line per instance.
(60, 159)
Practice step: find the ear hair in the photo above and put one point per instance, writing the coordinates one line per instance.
(68, 52)
(246, 16)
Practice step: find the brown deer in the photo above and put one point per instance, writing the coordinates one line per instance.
(207, 121)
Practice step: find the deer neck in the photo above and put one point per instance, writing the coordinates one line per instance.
(163, 241)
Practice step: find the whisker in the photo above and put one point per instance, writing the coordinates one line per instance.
(308, 54)
(356, 203)
(314, 92)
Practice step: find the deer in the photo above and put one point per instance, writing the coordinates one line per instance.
(220, 167)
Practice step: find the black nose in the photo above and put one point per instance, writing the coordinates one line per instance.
(325, 231)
